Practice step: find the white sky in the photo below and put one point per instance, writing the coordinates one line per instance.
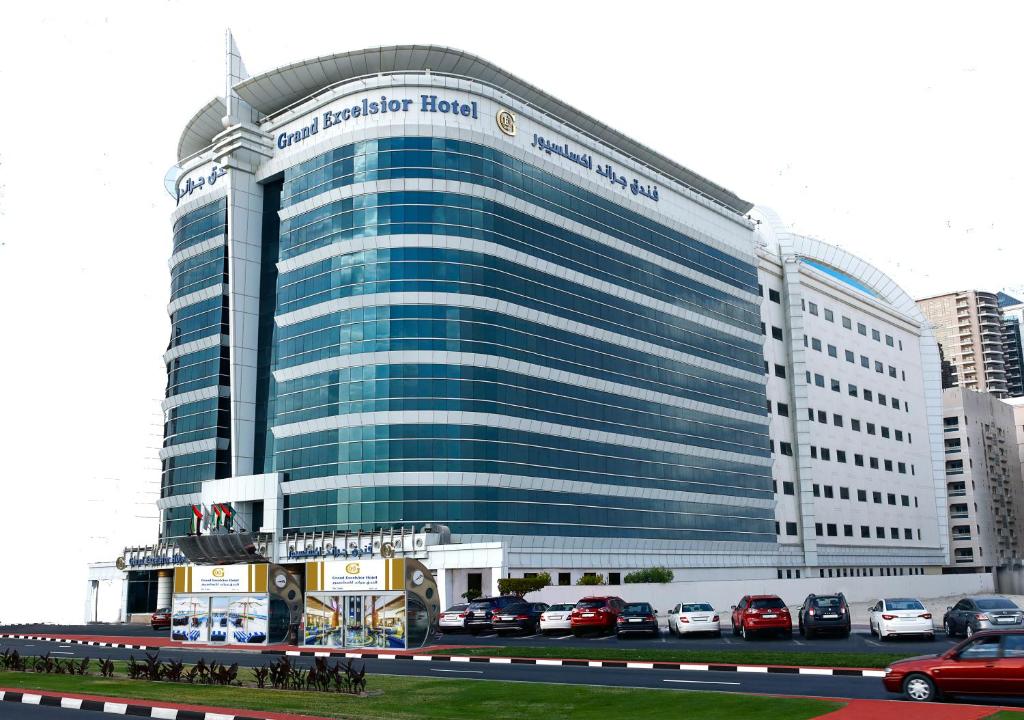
(891, 129)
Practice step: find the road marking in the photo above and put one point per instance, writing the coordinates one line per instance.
(58, 652)
(798, 642)
(64, 646)
(564, 637)
(527, 637)
(872, 642)
(727, 641)
(464, 672)
(701, 682)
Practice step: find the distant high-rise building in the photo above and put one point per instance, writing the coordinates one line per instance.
(971, 333)
(1012, 310)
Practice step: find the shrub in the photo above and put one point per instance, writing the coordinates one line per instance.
(522, 586)
(591, 580)
(471, 595)
(650, 575)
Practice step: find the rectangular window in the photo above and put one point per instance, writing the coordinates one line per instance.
(894, 533)
(774, 296)
(905, 500)
(791, 528)
(865, 361)
(862, 328)
(876, 336)
(873, 463)
(829, 492)
(868, 395)
(564, 578)
(879, 367)
(852, 390)
(817, 529)
(883, 399)
(908, 534)
(810, 414)
(901, 467)
(762, 328)
(888, 340)
(892, 371)
(787, 488)
(815, 344)
(858, 460)
(888, 465)
(823, 417)
(785, 448)
(826, 454)
(776, 332)
(847, 323)
(879, 532)
(855, 424)
(836, 385)
(899, 435)
(890, 498)
(782, 409)
(885, 432)
(814, 452)
(850, 357)
(816, 490)
(837, 420)
(812, 308)
(832, 529)
(780, 371)
(840, 456)
(862, 495)
(895, 404)
(833, 351)
(876, 497)
(760, 289)
(871, 428)
(844, 493)
(829, 315)
(819, 380)
(848, 530)
(865, 531)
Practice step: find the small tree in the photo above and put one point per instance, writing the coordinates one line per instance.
(524, 585)
(657, 574)
(471, 595)
(591, 580)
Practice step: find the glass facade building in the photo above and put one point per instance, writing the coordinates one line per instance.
(416, 316)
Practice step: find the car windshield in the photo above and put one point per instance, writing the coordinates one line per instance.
(164, 610)
(485, 605)
(696, 607)
(903, 604)
(637, 609)
(827, 602)
(561, 607)
(590, 604)
(995, 604)
(767, 604)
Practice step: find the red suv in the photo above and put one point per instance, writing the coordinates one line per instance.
(596, 613)
(988, 663)
(757, 613)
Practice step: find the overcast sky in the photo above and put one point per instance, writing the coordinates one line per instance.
(891, 129)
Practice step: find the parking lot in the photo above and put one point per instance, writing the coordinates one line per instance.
(859, 641)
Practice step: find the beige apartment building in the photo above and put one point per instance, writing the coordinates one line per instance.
(969, 328)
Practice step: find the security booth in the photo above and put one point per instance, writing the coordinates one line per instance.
(380, 603)
(243, 604)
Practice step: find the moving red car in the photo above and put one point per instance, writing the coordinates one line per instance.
(761, 613)
(596, 613)
(988, 663)
(161, 619)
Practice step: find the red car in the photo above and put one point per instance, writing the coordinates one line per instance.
(161, 619)
(761, 613)
(596, 613)
(988, 663)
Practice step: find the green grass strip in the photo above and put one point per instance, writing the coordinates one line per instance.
(407, 698)
(729, 657)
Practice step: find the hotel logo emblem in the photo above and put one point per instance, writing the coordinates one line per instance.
(352, 568)
(218, 572)
(506, 122)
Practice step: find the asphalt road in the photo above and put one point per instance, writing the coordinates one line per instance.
(860, 640)
(752, 682)
(40, 712)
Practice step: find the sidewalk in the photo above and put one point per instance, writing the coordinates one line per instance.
(139, 708)
(905, 710)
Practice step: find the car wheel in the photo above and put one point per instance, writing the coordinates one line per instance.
(718, 633)
(744, 633)
(919, 688)
(968, 631)
(808, 633)
(948, 628)
(735, 630)
(801, 629)
(931, 637)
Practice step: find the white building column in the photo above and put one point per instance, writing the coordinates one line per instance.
(164, 588)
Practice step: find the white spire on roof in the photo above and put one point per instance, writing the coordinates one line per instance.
(237, 109)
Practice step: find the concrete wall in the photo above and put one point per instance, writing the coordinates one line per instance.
(1010, 582)
(723, 594)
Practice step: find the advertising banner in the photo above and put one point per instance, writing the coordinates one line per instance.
(189, 619)
(221, 578)
(355, 575)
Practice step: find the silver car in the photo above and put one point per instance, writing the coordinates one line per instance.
(454, 618)
(972, 614)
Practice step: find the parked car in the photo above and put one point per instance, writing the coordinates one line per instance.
(687, 618)
(481, 610)
(518, 617)
(556, 618)
(900, 616)
(972, 614)
(454, 618)
(824, 614)
(161, 619)
(990, 662)
(761, 613)
(596, 613)
(637, 617)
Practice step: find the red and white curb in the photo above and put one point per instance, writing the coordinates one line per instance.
(632, 665)
(115, 708)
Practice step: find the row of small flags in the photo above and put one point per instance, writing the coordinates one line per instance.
(221, 516)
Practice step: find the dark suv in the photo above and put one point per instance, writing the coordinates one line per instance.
(824, 614)
(482, 610)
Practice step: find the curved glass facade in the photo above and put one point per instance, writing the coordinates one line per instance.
(486, 369)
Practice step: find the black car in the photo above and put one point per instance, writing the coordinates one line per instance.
(824, 614)
(637, 617)
(481, 610)
(518, 617)
(972, 614)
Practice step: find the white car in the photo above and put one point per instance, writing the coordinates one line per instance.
(686, 618)
(556, 618)
(900, 616)
(454, 618)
